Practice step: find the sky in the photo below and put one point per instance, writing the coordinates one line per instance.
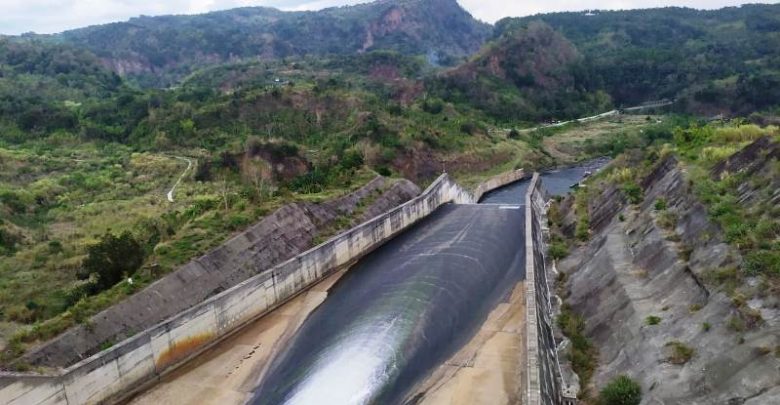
(50, 16)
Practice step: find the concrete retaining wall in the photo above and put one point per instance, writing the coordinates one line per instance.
(142, 359)
(544, 383)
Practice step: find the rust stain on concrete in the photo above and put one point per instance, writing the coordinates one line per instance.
(181, 349)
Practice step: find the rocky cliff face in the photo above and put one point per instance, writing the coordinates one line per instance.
(647, 288)
(533, 58)
(279, 236)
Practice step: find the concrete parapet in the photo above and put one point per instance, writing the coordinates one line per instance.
(544, 383)
(142, 359)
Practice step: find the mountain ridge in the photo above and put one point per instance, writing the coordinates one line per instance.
(158, 51)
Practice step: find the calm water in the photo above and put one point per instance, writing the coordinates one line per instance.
(556, 182)
(408, 306)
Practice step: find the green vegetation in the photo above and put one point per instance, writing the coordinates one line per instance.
(678, 352)
(652, 320)
(87, 157)
(174, 46)
(752, 227)
(706, 326)
(529, 87)
(582, 355)
(112, 259)
(641, 55)
(100, 159)
(622, 390)
(558, 249)
(633, 192)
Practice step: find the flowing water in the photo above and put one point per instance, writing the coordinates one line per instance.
(409, 305)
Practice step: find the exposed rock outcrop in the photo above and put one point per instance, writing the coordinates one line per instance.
(635, 269)
(279, 236)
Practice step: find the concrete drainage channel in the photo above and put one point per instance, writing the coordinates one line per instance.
(113, 374)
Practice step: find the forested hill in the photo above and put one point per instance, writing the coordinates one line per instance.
(532, 73)
(717, 61)
(158, 51)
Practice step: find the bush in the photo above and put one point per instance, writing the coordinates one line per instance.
(667, 220)
(679, 352)
(113, 258)
(558, 250)
(660, 204)
(352, 159)
(469, 128)
(652, 320)
(633, 192)
(433, 106)
(582, 231)
(582, 355)
(621, 391)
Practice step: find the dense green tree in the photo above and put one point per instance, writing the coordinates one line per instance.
(113, 258)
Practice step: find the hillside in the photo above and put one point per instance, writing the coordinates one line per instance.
(41, 85)
(674, 273)
(721, 61)
(530, 74)
(157, 51)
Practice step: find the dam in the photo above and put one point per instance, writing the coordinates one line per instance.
(374, 332)
(409, 305)
(370, 316)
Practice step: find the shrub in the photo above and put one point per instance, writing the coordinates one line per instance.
(660, 204)
(582, 354)
(706, 326)
(679, 352)
(433, 106)
(736, 324)
(621, 391)
(582, 231)
(469, 128)
(558, 250)
(352, 159)
(652, 320)
(113, 258)
(384, 171)
(763, 262)
(667, 220)
(633, 192)
(55, 247)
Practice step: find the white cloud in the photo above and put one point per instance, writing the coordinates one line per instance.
(49, 16)
(491, 10)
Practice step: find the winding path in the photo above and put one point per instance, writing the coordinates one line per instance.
(651, 104)
(189, 166)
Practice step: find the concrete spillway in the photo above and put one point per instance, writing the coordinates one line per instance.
(405, 308)
(402, 310)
